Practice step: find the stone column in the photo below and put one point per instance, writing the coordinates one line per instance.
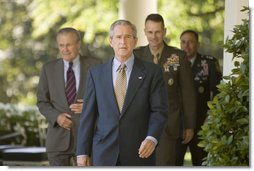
(233, 16)
(136, 12)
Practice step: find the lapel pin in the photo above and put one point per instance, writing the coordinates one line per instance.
(140, 78)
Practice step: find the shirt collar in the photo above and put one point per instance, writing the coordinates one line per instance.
(75, 62)
(192, 60)
(159, 51)
(129, 63)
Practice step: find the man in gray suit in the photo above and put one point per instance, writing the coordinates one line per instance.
(180, 88)
(63, 113)
(123, 136)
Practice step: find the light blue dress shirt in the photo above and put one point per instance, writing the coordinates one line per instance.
(129, 65)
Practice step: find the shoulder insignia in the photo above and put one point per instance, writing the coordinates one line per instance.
(213, 59)
(208, 57)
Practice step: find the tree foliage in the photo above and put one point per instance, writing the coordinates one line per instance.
(17, 54)
(22, 125)
(225, 135)
(89, 16)
(204, 16)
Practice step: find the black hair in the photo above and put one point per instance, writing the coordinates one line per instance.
(190, 31)
(155, 18)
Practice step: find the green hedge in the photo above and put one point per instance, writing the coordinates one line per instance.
(225, 135)
(22, 125)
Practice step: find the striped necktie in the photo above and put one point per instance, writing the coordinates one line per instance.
(70, 89)
(121, 86)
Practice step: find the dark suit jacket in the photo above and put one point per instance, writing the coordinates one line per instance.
(51, 101)
(180, 89)
(206, 75)
(120, 134)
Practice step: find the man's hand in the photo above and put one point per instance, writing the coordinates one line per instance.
(77, 107)
(146, 148)
(187, 135)
(83, 161)
(64, 121)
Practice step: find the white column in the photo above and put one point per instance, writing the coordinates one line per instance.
(136, 11)
(233, 16)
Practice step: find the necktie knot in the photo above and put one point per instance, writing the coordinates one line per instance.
(70, 65)
(121, 67)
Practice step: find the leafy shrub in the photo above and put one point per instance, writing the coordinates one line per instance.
(22, 125)
(225, 135)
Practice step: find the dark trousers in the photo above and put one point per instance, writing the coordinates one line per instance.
(61, 159)
(197, 153)
(139, 162)
(118, 163)
(165, 152)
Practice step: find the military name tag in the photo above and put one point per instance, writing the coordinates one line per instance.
(196, 78)
(201, 89)
(175, 68)
(170, 82)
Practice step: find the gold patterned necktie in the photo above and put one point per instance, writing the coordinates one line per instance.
(120, 86)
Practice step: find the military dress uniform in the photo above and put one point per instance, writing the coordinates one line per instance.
(181, 97)
(206, 76)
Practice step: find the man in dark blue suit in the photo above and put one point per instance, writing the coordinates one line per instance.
(126, 136)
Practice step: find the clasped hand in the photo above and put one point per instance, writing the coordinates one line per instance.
(64, 119)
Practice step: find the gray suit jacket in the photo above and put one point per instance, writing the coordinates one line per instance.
(107, 134)
(51, 101)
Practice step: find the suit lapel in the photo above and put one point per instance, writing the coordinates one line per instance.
(108, 86)
(136, 79)
(148, 55)
(83, 68)
(59, 81)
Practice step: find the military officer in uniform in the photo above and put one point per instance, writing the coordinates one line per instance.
(206, 76)
(180, 88)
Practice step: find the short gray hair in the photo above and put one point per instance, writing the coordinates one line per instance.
(122, 22)
(70, 30)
